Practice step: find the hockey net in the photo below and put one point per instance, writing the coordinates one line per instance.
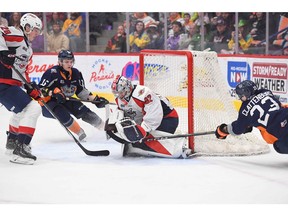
(196, 87)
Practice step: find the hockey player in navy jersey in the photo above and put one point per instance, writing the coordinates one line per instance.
(260, 109)
(63, 81)
(15, 52)
(141, 113)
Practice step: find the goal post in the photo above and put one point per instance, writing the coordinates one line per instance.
(197, 88)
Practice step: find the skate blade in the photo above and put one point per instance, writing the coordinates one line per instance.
(20, 160)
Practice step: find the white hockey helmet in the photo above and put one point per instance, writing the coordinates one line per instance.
(32, 21)
(121, 87)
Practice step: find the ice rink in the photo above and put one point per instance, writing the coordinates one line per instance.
(64, 174)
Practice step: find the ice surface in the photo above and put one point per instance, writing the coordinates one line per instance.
(64, 174)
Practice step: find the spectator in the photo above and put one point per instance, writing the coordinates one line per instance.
(156, 38)
(117, 43)
(213, 19)
(3, 21)
(229, 18)
(54, 19)
(258, 26)
(205, 18)
(146, 19)
(187, 22)
(14, 19)
(57, 40)
(193, 15)
(138, 39)
(244, 39)
(191, 40)
(220, 37)
(174, 16)
(71, 28)
(173, 40)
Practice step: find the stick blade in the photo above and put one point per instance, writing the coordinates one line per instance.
(98, 153)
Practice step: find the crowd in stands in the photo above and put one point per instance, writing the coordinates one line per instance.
(185, 31)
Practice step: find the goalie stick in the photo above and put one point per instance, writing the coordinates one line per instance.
(87, 152)
(178, 136)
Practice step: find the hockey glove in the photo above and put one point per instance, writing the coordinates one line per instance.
(248, 129)
(221, 131)
(110, 127)
(130, 131)
(7, 57)
(100, 102)
(59, 95)
(35, 92)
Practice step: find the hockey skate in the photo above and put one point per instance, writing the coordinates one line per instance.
(22, 154)
(82, 135)
(10, 144)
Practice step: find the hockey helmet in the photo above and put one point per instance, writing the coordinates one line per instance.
(246, 88)
(121, 87)
(65, 54)
(32, 21)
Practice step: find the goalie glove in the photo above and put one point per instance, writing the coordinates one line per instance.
(130, 131)
(221, 131)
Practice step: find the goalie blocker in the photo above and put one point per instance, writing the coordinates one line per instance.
(125, 130)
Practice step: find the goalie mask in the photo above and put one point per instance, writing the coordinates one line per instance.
(30, 21)
(121, 87)
(246, 88)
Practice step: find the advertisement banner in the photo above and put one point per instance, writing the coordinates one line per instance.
(266, 72)
(100, 70)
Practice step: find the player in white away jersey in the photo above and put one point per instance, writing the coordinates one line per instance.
(141, 113)
(15, 53)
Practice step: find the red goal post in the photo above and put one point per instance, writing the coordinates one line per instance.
(189, 60)
(197, 88)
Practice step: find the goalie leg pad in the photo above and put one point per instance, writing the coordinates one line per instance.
(170, 148)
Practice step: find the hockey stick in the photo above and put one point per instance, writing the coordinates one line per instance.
(178, 136)
(81, 100)
(88, 152)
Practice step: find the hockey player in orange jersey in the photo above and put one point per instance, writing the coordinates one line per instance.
(260, 109)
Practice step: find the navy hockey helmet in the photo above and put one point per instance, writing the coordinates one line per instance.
(65, 54)
(121, 87)
(246, 88)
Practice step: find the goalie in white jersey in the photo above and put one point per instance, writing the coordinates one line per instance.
(143, 114)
